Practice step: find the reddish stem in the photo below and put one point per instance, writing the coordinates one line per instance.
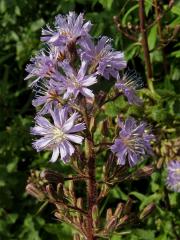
(144, 39)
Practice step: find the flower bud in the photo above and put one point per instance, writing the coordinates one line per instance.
(95, 212)
(35, 192)
(147, 210)
(109, 214)
(76, 237)
(60, 192)
(118, 210)
(52, 176)
(128, 205)
(79, 203)
(51, 193)
(143, 172)
(111, 224)
(123, 220)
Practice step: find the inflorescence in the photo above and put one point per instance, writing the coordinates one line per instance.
(63, 73)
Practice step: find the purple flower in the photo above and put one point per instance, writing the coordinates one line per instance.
(133, 142)
(42, 66)
(68, 29)
(128, 84)
(75, 83)
(47, 94)
(102, 58)
(57, 137)
(173, 178)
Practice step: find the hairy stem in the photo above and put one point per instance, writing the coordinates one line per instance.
(91, 182)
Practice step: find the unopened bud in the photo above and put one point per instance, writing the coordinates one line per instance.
(123, 220)
(60, 192)
(76, 237)
(118, 210)
(108, 214)
(147, 210)
(59, 216)
(143, 172)
(71, 191)
(105, 128)
(128, 205)
(51, 193)
(104, 191)
(35, 192)
(111, 224)
(52, 176)
(79, 203)
(95, 212)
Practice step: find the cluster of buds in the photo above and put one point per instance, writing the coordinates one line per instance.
(50, 186)
(69, 77)
(169, 152)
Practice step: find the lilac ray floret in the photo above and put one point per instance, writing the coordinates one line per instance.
(128, 84)
(76, 83)
(42, 66)
(173, 178)
(57, 137)
(133, 142)
(102, 58)
(47, 94)
(68, 29)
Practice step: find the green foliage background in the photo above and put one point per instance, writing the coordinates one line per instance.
(21, 22)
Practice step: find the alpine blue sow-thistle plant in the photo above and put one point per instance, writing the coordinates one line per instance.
(68, 77)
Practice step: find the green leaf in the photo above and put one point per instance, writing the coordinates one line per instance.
(107, 4)
(140, 196)
(132, 50)
(37, 25)
(148, 6)
(152, 37)
(144, 234)
(175, 54)
(124, 19)
(176, 10)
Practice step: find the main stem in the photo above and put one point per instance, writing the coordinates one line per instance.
(91, 182)
(91, 191)
(145, 44)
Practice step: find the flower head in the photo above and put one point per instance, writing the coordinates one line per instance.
(133, 142)
(75, 83)
(68, 29)
(102, 58)
(173, 178)
(42, 66)
(128, 84)
(57, 137)
(47, 94)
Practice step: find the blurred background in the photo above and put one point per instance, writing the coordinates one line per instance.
(21, 22)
